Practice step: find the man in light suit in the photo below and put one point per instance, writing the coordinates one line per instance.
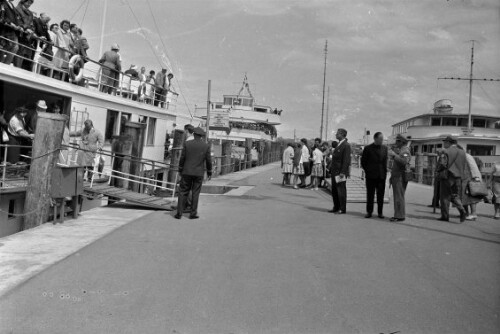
(339, 167)
(452, 170)
(195, 157)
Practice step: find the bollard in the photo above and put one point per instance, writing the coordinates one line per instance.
(226, 166)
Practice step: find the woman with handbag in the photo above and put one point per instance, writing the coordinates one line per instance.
(495, 187)
(469, 198)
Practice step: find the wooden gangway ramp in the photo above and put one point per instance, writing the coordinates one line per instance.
(145, 200)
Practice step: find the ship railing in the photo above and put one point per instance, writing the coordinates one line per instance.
(144, 178)
(18, 170)
(226, 164)
(125, 85)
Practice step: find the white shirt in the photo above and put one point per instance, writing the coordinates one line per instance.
(340, 142)
(305, 153)
(317, 156)
(16, 124)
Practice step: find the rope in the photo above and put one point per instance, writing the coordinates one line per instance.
(85, 12)
(165, 50)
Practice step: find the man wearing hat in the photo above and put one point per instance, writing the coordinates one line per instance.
(31, 118)
(400, 157)
(195, 157)
(451, 170)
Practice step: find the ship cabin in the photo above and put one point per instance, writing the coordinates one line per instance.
(426, 132)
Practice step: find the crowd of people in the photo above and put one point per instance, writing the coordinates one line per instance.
(266, 128)
(456, 173)
(26, 38)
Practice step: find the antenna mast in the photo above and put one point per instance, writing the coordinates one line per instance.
(327, 111)
(471, 79)
(469, 123)
(323, 103)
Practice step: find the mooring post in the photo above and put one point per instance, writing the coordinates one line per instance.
(248, 152)
(226, 167)
(45, 155)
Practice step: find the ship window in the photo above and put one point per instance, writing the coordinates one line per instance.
(449, 121)
(462, 122)
(151, 131)
(476, 150)
(228, 101)
(478, 122)
(436, 121)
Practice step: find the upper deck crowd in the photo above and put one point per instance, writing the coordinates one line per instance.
(31, 42)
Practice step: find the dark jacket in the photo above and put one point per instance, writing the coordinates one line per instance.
(374, 161)
(41, 30)
(194, 157)
(341, 159)
(455, 161)
(8, 14)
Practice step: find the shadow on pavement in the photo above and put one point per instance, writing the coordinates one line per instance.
(442, 231)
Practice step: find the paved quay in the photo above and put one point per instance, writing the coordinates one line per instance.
(272, 260)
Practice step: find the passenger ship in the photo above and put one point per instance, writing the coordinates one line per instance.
(238, 117)
(426, 132)
(80, 102)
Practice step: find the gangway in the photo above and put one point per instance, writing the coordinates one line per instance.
(145, 200)
(146, 189)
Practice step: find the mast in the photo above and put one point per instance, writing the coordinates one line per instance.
(327, 110)
(469, 123)
(471, 79)
(323, 103)
(207, 135)
(103, 24)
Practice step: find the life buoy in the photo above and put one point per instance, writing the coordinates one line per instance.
(76, 64)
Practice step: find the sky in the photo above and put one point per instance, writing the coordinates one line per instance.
(384, 56)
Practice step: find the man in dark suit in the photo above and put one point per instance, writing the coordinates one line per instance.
(374, 163)
(452, 170)
(195, 157)
(339, 168)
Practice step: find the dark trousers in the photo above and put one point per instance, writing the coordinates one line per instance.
(437, 192)
(339, 195)
(189, 183)
(450, 190)
(372, 186)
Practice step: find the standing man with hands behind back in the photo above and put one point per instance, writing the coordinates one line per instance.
(374, 163)
(195, 156)
(339, 168)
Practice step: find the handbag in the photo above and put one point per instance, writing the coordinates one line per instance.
(477, 189)
(5, 136)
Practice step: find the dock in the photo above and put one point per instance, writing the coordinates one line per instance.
(266, 259)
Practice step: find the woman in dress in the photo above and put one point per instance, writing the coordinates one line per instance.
(287, 163)
(64, 45)
(495, 188)
(298, 167)
(110, 71)
(317, 167)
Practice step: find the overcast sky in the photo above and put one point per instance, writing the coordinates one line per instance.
(384, 56)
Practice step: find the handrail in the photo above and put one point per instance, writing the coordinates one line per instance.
(72, 53)
(123, 156)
